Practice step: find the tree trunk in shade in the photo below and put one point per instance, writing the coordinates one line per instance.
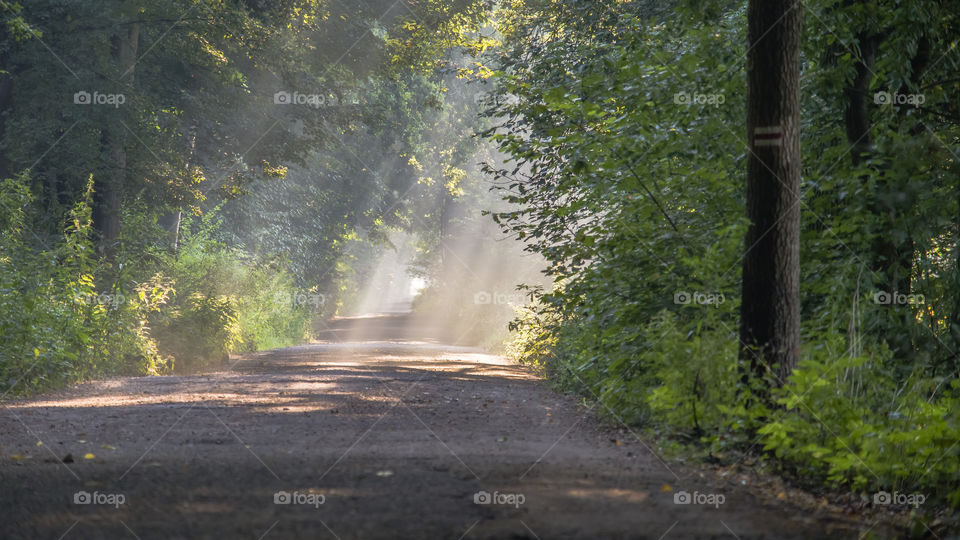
(108, 187)
(770, 307)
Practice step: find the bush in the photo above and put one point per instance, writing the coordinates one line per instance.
(67, 314)
(56, 327)
(846, 422)
(225, 303)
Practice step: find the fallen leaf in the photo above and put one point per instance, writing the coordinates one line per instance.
(666, 488)
(88, 455)
(384, 474)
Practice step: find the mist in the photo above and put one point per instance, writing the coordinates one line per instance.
(479, 269)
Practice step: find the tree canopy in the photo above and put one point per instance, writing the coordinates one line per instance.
(185, 180)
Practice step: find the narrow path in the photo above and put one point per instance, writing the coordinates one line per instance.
(373, 434)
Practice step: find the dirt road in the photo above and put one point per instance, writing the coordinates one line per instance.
(372, 434)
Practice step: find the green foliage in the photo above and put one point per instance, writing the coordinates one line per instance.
(203, 330)
(629, 206)
(844, 420)
(623, 125)
(66, 315)
(234, 209)
(226, 302)
(56, 326)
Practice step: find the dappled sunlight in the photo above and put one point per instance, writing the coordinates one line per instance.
(374, 428)
(626, 495)
(304, 371)
(479, 269)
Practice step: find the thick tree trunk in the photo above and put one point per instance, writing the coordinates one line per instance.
(6, 101)
(770, 307)
(108, 188)
(107, 191)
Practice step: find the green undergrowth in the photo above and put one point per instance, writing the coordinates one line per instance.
(69, 314)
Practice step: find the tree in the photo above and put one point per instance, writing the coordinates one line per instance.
(770, 305)
(108, 190)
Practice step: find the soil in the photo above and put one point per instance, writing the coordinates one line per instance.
(379, 431)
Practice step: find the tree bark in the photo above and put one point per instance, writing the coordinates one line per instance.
(856, 117)
(170, 221)
(108, 188)
(891, 260)
(770, 306)
(6, 102)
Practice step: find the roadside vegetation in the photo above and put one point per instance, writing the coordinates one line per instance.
(625, 125)
(183, 184)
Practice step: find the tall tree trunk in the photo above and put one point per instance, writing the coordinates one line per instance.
(891, 260)
(6, 101)
(445, 203)
(770, 306)
(170, 221)
(108, 188)
(856, 117)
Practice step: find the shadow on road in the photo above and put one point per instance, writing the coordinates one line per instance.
(398, 434)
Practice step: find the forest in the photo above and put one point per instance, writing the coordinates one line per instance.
(729, 229)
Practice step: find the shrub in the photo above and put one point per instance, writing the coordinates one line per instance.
(67, 314)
